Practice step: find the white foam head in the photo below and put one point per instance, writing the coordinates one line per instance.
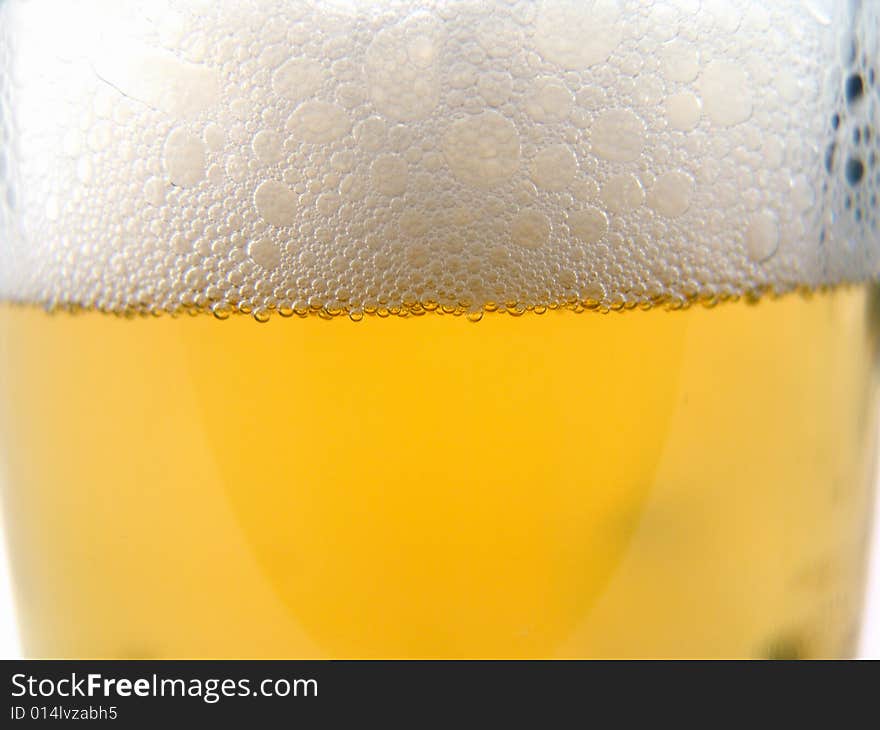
(347, 155)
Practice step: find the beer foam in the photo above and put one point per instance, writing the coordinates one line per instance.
(347, 156)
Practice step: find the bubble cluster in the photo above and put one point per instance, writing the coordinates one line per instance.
(852, 151)
(347, 157)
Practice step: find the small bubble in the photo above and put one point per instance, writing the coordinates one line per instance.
(854, 171)
(829, 156)
(854, 88)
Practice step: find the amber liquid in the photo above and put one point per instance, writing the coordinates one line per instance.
(648, 484)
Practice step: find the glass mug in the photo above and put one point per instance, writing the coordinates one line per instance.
(550, 327)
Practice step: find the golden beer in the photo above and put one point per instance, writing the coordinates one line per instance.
(435, 329)
(671, 484)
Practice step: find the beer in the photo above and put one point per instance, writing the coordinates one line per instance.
(430, 329)
(656, 483)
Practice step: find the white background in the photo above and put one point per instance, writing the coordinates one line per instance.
(870, 646)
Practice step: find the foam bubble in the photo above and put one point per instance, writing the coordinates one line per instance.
(680, 61)
(762, 236)
(275, 202)
(554, 167)
(530, 228)
(401, 65)
(389, 174)
(683, 111)
(184, 158)
(351, 156)
(318, 121)
(588, 224)
(265, 253)
(578, 33)
(671, 194)
(268, 146)
(482, 150)
(618, 135)
(298, 78)
(727, 95)
(549, 100)
(623, 193)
